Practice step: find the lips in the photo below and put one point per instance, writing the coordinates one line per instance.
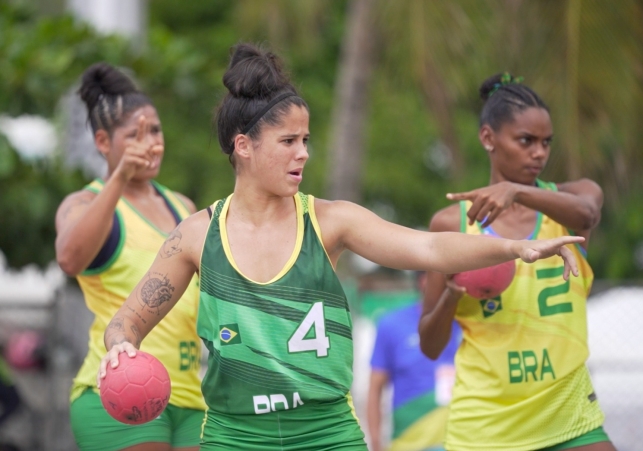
(296, 174)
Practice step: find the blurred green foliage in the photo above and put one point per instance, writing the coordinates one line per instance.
(185, 53)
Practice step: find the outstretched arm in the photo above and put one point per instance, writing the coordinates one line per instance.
(576, 205)
(348, 226)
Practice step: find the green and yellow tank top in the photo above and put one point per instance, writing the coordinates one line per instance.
(174, 340)
(276, 346)
(521, 379)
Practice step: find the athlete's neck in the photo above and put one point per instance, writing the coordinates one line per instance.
(258, 207)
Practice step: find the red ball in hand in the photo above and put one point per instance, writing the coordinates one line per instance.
(137, 390)
(487, 283)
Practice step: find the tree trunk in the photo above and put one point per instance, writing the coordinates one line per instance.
(571, 137)
(351, 104)
(440, 103)
(434, 88)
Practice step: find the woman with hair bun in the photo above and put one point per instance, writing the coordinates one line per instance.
(272, 312)
(107, 237)
(521, 379)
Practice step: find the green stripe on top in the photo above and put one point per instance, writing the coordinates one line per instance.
(287, 339)
(551, 186)
(256, 301)
(463, 216)
(309, 374)
(225, 284)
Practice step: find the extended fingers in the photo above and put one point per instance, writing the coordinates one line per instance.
(459, 196)
(473, 212)
(483, 213)
(143, 128)
(570, 262)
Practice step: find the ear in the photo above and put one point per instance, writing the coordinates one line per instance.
(103, 142)
(242, 147)
(487, 137)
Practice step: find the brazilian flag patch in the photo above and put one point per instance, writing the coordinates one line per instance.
(229, 334)
(491, 306)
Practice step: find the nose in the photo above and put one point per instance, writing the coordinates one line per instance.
(302, 152)
(540, 151)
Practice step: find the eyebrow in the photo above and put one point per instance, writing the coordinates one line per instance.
(294, 135)
(531, 135)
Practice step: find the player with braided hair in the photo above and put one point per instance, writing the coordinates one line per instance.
(521, 379)
(108, 235)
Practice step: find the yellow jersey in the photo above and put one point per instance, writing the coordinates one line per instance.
(174, 341)
(521, 379)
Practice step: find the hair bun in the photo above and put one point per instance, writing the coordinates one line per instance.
(254, 73)
(103, 79)
(493, 83)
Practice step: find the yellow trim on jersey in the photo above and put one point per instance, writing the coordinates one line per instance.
(427, 432)
(349, 400)
(295, 252)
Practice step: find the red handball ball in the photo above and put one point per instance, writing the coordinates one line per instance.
(137, 390)
(487, 283)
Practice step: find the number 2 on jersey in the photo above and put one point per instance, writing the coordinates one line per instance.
(547, 309)
(319, 342)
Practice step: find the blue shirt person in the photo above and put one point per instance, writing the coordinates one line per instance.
(421, 387)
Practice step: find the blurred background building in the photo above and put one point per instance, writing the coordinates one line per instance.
(392, 88)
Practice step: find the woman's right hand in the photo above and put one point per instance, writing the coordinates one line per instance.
(455, 291)
(140, 154)
(111, 359)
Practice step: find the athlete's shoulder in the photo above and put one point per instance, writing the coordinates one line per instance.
(191, 232)
(73, 204)
(446, 220)
(196, 223)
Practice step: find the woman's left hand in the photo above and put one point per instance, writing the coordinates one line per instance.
(532, 250)
(488, 202)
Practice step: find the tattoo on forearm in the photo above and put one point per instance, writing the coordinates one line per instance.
(172, 245)
(155, 292)
(116, 323)
(115, 332)
(143, 320)
(137, 334)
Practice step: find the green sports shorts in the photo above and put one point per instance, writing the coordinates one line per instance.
(594, 436)
(328, 427)
(95, 430)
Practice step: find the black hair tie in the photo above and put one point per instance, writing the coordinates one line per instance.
(264, 110)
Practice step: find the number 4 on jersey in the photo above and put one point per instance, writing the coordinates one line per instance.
(320, 342)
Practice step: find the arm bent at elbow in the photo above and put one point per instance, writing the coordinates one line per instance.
(156, 294)
(438, 310)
